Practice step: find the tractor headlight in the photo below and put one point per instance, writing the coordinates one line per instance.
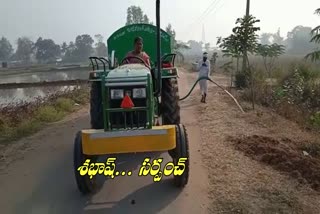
(116, 94)
(139, 93)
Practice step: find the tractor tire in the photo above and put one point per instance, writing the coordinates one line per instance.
(181, 151)
(84, 183)
(170, 108)
(96, 113)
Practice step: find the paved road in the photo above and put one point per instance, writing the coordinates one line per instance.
(40, 180)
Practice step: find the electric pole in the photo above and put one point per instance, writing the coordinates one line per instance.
(244, 61)
(248, 8)
(245, 55)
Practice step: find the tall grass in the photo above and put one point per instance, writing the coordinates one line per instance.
(18, 120)
(293, 90)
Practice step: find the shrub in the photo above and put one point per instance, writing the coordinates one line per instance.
(49, 114)
(27, 127)
(65, 104)
(241, 81)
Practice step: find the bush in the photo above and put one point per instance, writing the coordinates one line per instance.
(241, 81)
(49, 114)
(27, 127)
(315, 119)
(65, 104)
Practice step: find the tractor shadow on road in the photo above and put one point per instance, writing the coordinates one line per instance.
(55, 190)
(151, 198)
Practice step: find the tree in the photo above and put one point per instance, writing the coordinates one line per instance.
(64, 48)
(247, 38)
(195, 46)
(46, 50)
(269, 54)
(172, 33)
(265, 38)
(135, 16)
(24, 49)
(70, 52)
(277, 39)
(243, 39)
(101, 48)
(207, 47)
(246, 34)
(146, 19)
(298, 41)
(83, 47)
(6, 49)
(175, 45)
(213, 61)
(230, 48)
(315, 55)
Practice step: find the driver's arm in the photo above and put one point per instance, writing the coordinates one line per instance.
(148, 62)
(146, 58)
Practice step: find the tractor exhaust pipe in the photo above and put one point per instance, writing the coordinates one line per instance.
(157, 93)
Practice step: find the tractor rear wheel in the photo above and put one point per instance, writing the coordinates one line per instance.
(181, 151)
(96, 113)
(170, 108)
(84, 183)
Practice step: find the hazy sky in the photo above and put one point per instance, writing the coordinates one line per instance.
(63, 20)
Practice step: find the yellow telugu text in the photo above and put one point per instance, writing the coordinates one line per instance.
(148, 167)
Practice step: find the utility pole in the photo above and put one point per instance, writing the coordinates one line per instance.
(248, 8)
(245, 57)
(244, 61)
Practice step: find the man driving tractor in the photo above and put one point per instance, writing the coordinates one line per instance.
(137, 52)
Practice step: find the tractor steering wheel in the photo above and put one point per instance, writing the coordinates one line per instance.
(126, 59)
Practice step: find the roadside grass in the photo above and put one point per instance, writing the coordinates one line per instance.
(293, 90)
(24, 119)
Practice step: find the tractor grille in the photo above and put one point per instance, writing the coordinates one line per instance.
(128, 120)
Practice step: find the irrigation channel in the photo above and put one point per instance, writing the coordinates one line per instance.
(25, 86)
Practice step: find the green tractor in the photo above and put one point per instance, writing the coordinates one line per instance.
(127, 103)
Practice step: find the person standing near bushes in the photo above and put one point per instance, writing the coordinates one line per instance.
(204, 70)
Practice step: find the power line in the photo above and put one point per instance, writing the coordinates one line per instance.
(208, 12)
(203, 14)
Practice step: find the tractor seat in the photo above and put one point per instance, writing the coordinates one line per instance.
(167, 65)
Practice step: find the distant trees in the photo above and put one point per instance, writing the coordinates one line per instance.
(64, 48)
(277, 39)
(135, 15)
(207, 47)
(101, 48)
(24, 49)
(79, 50)
(298, 41)
(315, 55)
(269, 54)
(83, 47)
(176, 45)
(6, 49)
(172, 33)
(46, 50)
(195, 46)
(265, 38)
(69, 53)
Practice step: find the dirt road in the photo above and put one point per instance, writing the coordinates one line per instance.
(40, 180)
(240, 163)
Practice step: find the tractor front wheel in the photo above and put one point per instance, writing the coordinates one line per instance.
(170, 108)
(180, 156)
(96, 113)
(84, 183)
